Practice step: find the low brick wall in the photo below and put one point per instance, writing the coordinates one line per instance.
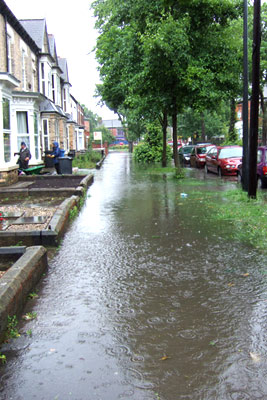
(19, 281)
(8, 177)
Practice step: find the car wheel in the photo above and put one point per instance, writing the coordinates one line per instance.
(206, 169)
(220, 172)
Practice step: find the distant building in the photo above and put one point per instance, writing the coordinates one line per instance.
(117, 130)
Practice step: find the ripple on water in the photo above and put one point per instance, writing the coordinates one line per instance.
(136, 358)
(136, 379)
(188, 334)
(118, 350)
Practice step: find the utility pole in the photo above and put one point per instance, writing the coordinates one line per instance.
(254, 112)
(245, 99)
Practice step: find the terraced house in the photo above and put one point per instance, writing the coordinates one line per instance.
(36, 105)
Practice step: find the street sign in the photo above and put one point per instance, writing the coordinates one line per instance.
(98, 136)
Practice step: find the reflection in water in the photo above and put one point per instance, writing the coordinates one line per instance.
(145, 300)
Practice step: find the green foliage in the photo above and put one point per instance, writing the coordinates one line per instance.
(150, 150)
(93, 118)
(73, 212)
(3, 358)
(87, 160)
(12, 331)
(247, 216)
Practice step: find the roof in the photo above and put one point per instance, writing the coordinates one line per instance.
(49, 107)
(36, 28)
(17, 26)
(62, 62)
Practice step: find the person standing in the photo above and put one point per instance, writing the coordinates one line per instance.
(24, 156)
(55, 154)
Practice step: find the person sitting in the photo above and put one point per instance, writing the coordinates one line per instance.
(24, 156)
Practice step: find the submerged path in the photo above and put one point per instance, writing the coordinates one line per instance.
(144, 300)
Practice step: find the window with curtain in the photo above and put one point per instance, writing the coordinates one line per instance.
(7, 130)
(23, 128)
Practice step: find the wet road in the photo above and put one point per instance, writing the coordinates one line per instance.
(144, 301)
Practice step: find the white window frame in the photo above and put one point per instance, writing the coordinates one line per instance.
(25, 135)
(6, 131)
(45, 128)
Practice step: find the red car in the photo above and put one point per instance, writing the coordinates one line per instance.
(198, 155)
(224, 160)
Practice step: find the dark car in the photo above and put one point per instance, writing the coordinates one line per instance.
(224, 160)
(184, 154)
(261, 167)
(198, 155)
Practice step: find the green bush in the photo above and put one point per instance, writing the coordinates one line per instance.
(87, 160)
(150, 150)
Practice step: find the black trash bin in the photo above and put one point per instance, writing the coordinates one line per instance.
(72, 153)
(65, 165)
(49, 162)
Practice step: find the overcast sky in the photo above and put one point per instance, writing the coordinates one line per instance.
(72, 24)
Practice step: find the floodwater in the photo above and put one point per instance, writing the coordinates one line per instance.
(144, 300)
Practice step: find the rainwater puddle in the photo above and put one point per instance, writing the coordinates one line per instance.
(144, 300)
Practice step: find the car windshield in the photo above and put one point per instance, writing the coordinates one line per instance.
(231, 152)
(202, 150)
(187, 150)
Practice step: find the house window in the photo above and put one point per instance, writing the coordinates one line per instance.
(7, 130)
(56, 131)
(36, 136)
(45, 134)
(67, 138)
(80, 141)
(64, 100)
(9, 55)
(43, 77)
(23, 128)
(23, 62)
(53, 88)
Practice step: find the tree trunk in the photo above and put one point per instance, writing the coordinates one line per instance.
(203, 128)
(164, 138)
(264, 119)
(174, 133)
(232, 136)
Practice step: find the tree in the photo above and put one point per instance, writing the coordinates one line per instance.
(93, 118)
(166, 55)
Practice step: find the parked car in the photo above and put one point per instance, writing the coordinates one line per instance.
(261, 167)
(224, 160)
(198, 155)
(184, 154)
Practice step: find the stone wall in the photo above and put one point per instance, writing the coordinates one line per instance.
(8, 177)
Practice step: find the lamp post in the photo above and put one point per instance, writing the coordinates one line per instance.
(245, 99)
(254, 111)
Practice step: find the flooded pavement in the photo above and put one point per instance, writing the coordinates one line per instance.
(145, 300)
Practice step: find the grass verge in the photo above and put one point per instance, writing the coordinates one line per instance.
(248, 217)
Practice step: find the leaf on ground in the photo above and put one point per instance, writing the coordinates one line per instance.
(164, 358)
(212, 343)
(231, 284)
(245, 275)
(255, 357)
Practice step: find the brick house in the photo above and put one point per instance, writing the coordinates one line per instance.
(35, 101)
(19, 96)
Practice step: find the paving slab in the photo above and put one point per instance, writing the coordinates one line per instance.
(29, 220)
